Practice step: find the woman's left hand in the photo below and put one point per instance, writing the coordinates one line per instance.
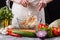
(41, 5)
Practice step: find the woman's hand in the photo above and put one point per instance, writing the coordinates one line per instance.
(41, 5)
(24, 3)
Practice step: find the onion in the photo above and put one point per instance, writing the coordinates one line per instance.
(41, 34)
(4, 31)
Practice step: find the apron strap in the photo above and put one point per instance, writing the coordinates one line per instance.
(8, 4)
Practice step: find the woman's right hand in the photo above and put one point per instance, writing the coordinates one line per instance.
(24, 3)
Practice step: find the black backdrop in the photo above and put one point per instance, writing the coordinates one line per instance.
(52, 10)
(2, 3)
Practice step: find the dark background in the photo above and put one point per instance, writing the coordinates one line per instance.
(52, 11)
(2, 3)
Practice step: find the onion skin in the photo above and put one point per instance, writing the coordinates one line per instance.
(41, 34)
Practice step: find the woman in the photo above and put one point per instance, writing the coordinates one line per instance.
(23, 8)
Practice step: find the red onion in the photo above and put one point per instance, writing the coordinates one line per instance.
(41, 34)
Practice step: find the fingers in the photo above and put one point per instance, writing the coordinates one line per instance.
(41, 5)
(24, 3)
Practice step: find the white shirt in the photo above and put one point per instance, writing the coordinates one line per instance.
(21, 12)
